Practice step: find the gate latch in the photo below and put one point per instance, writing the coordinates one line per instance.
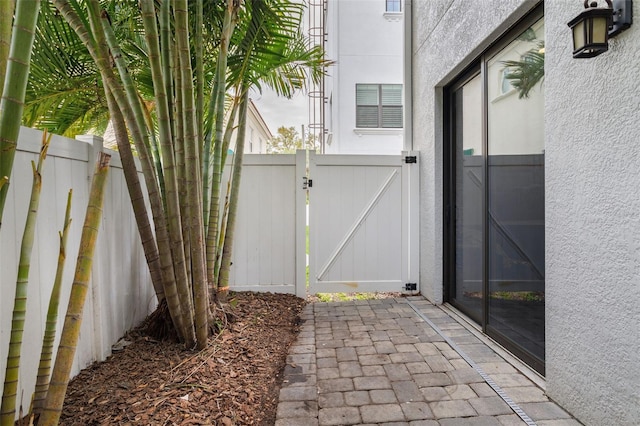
(306, 183)
(411, 287)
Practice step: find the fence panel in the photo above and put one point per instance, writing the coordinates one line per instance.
(264, 254)
(120, 294)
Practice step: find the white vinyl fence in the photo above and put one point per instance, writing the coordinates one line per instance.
(373, 198)
(269, 244)
(270, 230)
(120, 294)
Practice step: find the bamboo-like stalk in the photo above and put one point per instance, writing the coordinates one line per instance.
(199, 52)
(223, 285)
(6, 21)
(173, 219)
(229, 23)
(15, 85)
(166, 42)
(182, 208)
(206, 159)
(221, 235)
(154, 147)
(229, 131)
(136, 196)
(100, 55)
(165, 132)
(216, 258)
(9, 393)
(46, 355)
(194, 179)
(73, 319)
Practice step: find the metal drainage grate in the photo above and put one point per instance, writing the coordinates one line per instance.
(501, 393)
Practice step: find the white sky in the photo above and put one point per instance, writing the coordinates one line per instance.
(280, 111)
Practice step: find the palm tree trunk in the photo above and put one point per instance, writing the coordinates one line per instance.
(6, 23)
(71, 330)
(46, 355)
(15, 85)
(182, 201)
(166, 42)
(194, 180)
(223, 286)
(100, 56)
(172, 216)
(136, 196)
(8, 407)
(199, 47)
(164, 125)
(226, 141)
(230, 19)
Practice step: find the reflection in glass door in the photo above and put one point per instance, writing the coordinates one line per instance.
(515, 127)
(469, 190)
(495, 195)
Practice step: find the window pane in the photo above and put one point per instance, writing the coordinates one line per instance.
(469, 181)
(506, 83)
(392, 116)
(367, 116)
(393, 5)
(391, 94)
(516, 197)
(366, 94)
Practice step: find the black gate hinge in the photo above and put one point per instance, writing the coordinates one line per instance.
(411, 287)
(411, 159)
(306, 183)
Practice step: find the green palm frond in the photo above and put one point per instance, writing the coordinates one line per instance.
(64, 89)
(528, 71)
(65, 93)
(269, 48)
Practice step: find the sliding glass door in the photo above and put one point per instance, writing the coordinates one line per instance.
(495, 194)
(468, 196)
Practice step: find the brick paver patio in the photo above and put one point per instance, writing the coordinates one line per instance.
(378, 362)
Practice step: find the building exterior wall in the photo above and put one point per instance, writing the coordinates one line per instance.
(592, 237)
(257, 133)
(367, 46)
(593, 226)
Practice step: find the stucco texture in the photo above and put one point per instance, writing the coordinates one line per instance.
(592, 249)
(592, 122)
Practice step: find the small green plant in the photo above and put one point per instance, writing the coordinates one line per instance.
(521, 296)
(345, 297)
(324, 297)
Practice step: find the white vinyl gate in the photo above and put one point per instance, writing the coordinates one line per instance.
(362, 215)
(362, 223)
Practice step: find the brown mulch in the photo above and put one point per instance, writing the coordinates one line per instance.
(234, 381)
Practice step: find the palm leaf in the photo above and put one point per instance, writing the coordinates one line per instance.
(527, 72)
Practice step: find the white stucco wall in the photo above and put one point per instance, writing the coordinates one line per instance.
(592, 129)
(367, 47)
(592, 117)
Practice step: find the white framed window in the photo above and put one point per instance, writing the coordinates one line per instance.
(379, 105)
(505, 83)
(393, 5)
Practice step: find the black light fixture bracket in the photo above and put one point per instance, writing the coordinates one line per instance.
(622, 16)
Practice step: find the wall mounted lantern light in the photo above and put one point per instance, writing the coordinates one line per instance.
(595, 25)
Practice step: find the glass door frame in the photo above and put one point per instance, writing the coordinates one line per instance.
(478, 67)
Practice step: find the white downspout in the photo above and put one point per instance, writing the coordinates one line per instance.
(408, 72)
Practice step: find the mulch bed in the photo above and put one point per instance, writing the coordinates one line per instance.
(234, 381)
